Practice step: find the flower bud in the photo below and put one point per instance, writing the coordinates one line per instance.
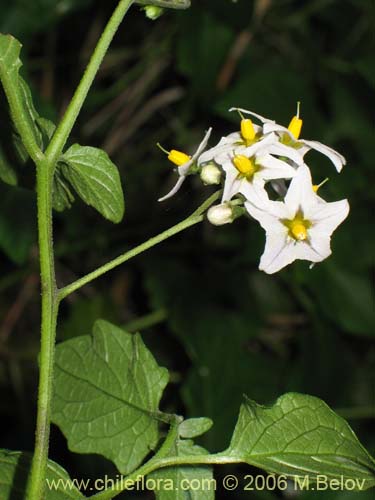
(153, 12)
(210, 174)
(220, 214)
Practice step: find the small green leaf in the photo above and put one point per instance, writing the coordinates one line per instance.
(95, 179)
(15, 465)
(10, 64)
(301, 436)
(174, 480)
(194, 427)
(107, 391)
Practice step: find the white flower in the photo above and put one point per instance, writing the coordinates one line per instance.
(254, 165)
(302, 146)
(184, 162)
(298, 228)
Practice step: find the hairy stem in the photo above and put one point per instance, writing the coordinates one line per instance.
(62, 132)
(36, 482)
(193, 219)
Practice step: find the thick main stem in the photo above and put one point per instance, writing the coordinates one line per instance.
(36, 482)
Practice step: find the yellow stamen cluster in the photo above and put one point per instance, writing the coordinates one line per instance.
(244, 165)
(298, 230)
(247, 131)
(177, 157)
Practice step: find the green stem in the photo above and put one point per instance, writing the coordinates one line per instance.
(36, 481)
(159, 461)
(168, 4)
(62, 132)
(188, 222)
(146, 321)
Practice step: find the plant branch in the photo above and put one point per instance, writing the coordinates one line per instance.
(193, 219)
(36, 481)
(64, 128)
(167, 4)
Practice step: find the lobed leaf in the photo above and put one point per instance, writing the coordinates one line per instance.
(15, 465)
(95, 178)
(301, 436)
(107, 390)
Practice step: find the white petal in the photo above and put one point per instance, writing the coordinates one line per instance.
(175, 189)
(231, 183)
(314, 250)
(274, 168)
(246, 112)
(278, 253)
(336, 158)
(268, 214)
(288, 151)
(300, 193)
(261, 146)
(275, 127)
(325, 217)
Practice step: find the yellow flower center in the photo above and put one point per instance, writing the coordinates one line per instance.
(177, 157)
(245, 165)
(298, 230)
(247, 131)
(298, 227)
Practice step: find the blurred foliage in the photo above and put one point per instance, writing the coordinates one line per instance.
(228, 328)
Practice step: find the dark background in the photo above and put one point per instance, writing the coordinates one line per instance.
(218, 324)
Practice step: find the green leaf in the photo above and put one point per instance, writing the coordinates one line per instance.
(10, 65)
(174, 480)
(194, 427)
(15, 465)
(301, 436)
(62, 196)
(95, 179)
(107, 391)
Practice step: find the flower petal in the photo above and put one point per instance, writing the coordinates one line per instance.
(174, 190)
(300, 194)
(260, 117)
(268, 213)
(325, 217)
(183, 169)
(314, 250)
(274, 168)
(278, 253)
(336, 158)
(231, 183)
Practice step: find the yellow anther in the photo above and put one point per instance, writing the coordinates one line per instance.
(295, 124)
(244, 164)
(177, 157)
(298, 230)
(247, 131)
(317, 186)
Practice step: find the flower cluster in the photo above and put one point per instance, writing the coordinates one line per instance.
(264, 175)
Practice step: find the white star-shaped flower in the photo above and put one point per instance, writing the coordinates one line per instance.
(184, 163)
(300, 227)
(245, 167)
(290, 136)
